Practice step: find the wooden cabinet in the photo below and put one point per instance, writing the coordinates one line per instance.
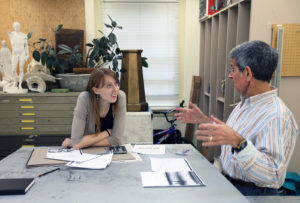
(39, 119)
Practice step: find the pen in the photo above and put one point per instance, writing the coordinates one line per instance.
(80, 151)
(48, 172)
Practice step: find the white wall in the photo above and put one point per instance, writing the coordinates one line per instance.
(191, 46)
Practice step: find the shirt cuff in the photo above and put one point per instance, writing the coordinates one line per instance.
(247, 153)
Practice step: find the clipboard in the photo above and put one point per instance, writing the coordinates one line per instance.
(38, 158)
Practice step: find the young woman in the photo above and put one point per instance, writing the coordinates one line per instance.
(99, 116)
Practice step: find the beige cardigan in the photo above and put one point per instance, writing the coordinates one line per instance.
(84, 122)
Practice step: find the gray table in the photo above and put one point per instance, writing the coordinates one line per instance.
(120, 182)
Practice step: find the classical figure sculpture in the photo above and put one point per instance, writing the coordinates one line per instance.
(20, 53)
(5, 67)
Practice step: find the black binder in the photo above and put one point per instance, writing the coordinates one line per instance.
(15, 186)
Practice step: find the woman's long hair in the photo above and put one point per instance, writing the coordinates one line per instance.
(97, 79)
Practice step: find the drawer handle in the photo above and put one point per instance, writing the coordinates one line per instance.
(27, 145)
(28, 114)
(27, 128)
(27, 121)
(27, 107)
(25, 100)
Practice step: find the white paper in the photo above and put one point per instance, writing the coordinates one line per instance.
(149, 149)
(169, 164)
(170, 179)
(99, 162)
(69, 155)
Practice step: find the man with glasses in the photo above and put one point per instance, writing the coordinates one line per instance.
(259, 136)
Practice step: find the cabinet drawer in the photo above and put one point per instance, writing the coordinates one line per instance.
(37, 107)
(33, 114)
(35, 121)
(34, 129)
(38, 100)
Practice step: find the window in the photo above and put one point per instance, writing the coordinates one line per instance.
(153, 27)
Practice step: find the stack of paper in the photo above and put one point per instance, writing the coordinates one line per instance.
(80, 160)
(170, 173)
(149, 149)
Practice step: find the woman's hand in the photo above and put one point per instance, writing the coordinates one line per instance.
(67, 143)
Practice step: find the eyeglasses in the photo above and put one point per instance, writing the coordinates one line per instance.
(231, 70)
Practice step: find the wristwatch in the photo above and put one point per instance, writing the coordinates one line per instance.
(242, 145)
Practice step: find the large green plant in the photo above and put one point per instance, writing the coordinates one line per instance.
(44, 52)
(105, 50)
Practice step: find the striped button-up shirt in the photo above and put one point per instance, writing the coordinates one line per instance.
(271, 131)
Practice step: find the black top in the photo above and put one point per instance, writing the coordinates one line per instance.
(108, 121)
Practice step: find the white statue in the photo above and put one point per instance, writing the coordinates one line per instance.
(5, 67)
(20, 53)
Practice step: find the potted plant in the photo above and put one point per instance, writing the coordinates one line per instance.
(74, 58)
(44, 52)
(105, 51)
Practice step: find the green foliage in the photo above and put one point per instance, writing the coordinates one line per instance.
(74, 55)
(105, 50)
(44, 52)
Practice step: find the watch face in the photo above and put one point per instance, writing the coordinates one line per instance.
(243, 145)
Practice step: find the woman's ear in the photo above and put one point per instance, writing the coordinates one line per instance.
(95, 90)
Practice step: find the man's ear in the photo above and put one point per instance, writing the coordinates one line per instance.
(249, 73)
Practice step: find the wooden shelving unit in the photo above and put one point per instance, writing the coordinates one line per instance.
(220, 33)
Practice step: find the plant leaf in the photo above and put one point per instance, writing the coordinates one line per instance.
(62, 52)
(65, 47)
(110, 18)
(76, 48)
(29, 34)
(114, 23)
(123, 70)
(36, 55)
(48, 47)
(120, 27)
(107, 25)
(89, 45)
(144, 62)
(91, 63)
(42, 39)
(112, 38)
(44, 57)
(101, 32)
(115, 64)
(58, 28)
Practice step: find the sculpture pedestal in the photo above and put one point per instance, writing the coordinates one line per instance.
(132, 81)
(15, 90)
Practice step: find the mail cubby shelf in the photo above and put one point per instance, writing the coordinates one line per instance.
(220, 33)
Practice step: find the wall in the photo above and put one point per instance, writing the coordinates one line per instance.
(191, 47)
(279, 12)
(40, 16)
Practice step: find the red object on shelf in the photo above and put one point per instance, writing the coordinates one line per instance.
(214, 6)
